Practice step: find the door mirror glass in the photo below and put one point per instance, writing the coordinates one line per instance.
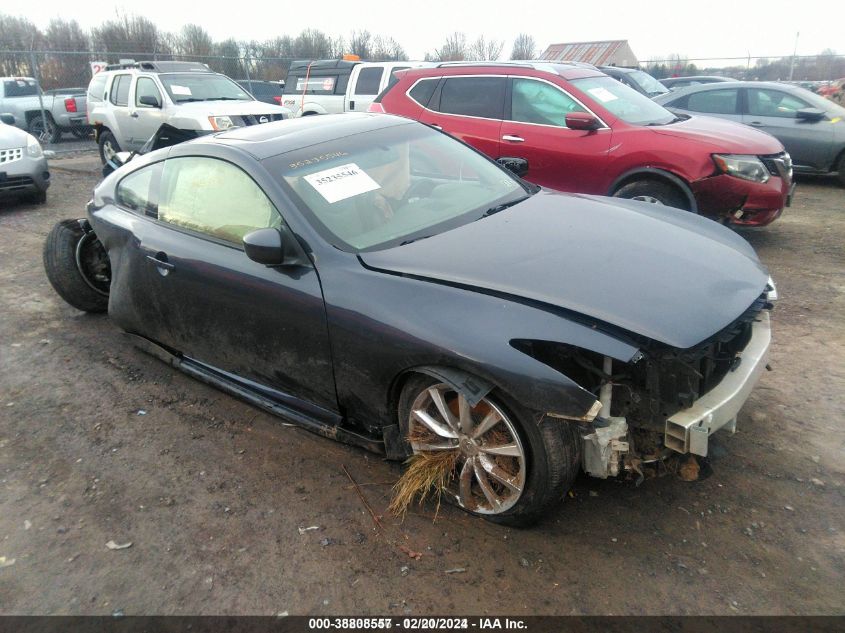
(8, 119)
(149, 100)
(265, 247)
(582, 121)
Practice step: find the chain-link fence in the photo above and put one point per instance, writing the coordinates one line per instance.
(57, 113)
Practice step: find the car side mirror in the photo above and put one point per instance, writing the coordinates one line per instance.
(274, 247)
(149, 100)
(517, 166)
(8, 119)
(582, 121)
(809, 114)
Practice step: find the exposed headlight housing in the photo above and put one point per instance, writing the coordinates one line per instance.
(33, 147)
(741, 166)
(220, 123)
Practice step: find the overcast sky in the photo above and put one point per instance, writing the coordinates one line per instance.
(654, 28)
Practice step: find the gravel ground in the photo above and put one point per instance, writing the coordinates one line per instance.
(100, 442)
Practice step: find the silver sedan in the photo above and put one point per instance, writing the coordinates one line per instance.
(23, 166)
(811, 128)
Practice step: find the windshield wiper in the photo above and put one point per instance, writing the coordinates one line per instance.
(503, 206)
(226, 99)
(414, 239)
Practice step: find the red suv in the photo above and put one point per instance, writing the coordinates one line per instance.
(572, 128)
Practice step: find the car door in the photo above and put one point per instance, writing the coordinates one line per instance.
(535, 130)
(469, 108)
(365, 87)
(809, 143)
(119, 98)
(144, 120)
(263, 324)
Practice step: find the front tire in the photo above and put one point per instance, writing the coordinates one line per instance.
(77, 266)
(507, 468)
(108, 145)
(654, 191)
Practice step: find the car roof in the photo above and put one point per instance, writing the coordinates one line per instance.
(271, 139)
(725, 85)
(696, 77)
(566, 70)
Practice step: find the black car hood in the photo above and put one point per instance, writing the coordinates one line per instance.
(655, 271)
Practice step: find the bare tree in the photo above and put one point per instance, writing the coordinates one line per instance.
(312, 44)
(455, 49)
(130, 34)
(70, 66)
(386, 49)
(360, 44)
(195, 41)
(524, 47)
(17, 34)
(486, 50)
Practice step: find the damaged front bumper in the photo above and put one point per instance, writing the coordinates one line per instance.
(689, 430)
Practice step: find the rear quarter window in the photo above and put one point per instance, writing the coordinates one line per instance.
(423, 90)
(474, 96)
(20, 88)
(97, 88)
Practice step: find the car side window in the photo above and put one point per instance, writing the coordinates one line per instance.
(120, 90)
(538, 102)
(368, 81)
(139, 190)
(214, 197)
(762, 102)
(423, 91)
(715, 101)
(97, 88)
(473, 96)
(146, 87)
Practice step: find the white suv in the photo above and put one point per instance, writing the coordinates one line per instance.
(127, 103)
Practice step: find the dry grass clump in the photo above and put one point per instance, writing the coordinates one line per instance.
(427, 474)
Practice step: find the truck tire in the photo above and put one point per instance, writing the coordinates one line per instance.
(108, 145)
(45, 133)
(74, 271)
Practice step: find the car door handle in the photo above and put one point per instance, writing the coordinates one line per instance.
(134, 115)
(435, 126)
(163, 265)
(756, 123)
(513, 139)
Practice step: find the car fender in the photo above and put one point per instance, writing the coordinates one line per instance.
(658, 173)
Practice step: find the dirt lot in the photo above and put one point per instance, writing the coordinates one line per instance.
(100, 442)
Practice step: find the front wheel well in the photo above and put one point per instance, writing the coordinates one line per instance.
(657, 176)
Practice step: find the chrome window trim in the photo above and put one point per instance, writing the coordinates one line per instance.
(604, 126)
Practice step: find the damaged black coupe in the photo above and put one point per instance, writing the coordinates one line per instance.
(385, 285)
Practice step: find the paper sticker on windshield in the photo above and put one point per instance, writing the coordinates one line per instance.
(602, 94)
(340, 183)
(181, 90)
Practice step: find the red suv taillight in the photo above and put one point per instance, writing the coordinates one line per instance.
(377, 108)
(70, 104)
(277, 99)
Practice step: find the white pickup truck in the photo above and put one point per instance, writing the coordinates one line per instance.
(333, 86)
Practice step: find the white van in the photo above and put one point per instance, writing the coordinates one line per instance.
(332, 86)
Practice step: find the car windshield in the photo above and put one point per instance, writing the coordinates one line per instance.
(187, 87)
(391, 186)
(648, 83)
(626, 103)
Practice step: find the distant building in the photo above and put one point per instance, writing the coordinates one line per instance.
(605, 53)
